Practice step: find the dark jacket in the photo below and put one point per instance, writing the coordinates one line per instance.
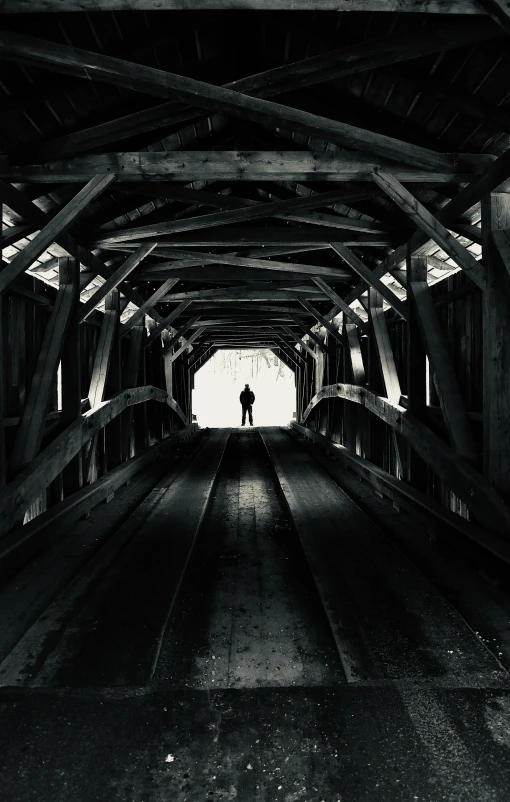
(247, 398)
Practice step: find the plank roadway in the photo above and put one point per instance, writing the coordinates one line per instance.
(388, 621)
(249, 614)
(105, 628)
(245, 694)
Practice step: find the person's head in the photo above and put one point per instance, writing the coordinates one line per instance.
(246, 386)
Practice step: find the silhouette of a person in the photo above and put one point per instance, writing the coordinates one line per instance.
(247, 399)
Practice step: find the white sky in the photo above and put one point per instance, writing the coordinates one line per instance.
(219, 382)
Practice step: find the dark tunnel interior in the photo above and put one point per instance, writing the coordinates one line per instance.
(254, 401)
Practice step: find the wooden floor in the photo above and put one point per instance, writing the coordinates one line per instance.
(246, 632)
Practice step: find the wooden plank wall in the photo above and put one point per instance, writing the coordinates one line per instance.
(26, 310)
(458, 305)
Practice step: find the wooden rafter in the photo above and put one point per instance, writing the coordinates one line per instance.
(431, 226)
(432, 7)
(346, 309)
(152, 81)
(323, 320)
(54, 228)
(497, 172)
(147, 306)
(367, 275)
(345, 61)
(115, 279)
(65, 244)
(233, 165)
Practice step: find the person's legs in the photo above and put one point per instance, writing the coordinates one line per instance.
(244, 416)
(250, 415)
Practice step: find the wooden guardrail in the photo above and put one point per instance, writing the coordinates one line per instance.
(18, 494)
(407, 497)
(465, 481)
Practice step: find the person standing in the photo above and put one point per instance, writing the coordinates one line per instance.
(247, 399)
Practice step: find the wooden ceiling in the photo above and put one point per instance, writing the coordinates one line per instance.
(247, 156)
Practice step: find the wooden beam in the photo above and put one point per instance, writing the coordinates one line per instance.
(3, 373)
(167, 321)
(230, 166)
(417, 373)
(494, 176)
(56, 226)
(196, 334)
(367, 275)
(472, 233)
(496, 345)
(289, 352)
(71, 368)
(16, 496)
(501, 245)
(178, 334)
(282, 356)
(200, 258)
(236, 215)
(448, 388)
(235, 294)
(498, 10)
(470, 7)
(407, 497)
(347, 60)
(41, 532)
(104, 350)
(322, 320)
(383, 347)
(242, 211)
(346, 309)
(198, 355)
(31, 429)
(296, 206)
(12, 235)
(355, 354)
(147, 306)
(305, 237)
(65, 244)
(431, 226)
(466, 482)
(115, 279)
(141, 78)
(299, 341)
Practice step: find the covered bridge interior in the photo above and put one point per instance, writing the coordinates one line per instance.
(314, 612)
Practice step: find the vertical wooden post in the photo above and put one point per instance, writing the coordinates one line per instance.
(354, 416)
(439, 353)
(71, 386)
(100, 372)
(113, 432)
(496, 349)
(417, 472)
(376, 428)
(3, 377)
(130, 379)
(31, 429)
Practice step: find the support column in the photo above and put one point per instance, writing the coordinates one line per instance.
(376, 427)
(72, 476)
(31, 429)
(417, 473)
(496, 347)
(3, 374)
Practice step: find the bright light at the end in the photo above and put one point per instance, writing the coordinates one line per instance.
(219, 383)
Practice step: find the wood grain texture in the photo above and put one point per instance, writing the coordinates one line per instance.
(482, 499)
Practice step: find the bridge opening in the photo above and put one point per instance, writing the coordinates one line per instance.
(218, 384)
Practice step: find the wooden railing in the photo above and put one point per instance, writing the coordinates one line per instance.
(17, 496)
(465, 481)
